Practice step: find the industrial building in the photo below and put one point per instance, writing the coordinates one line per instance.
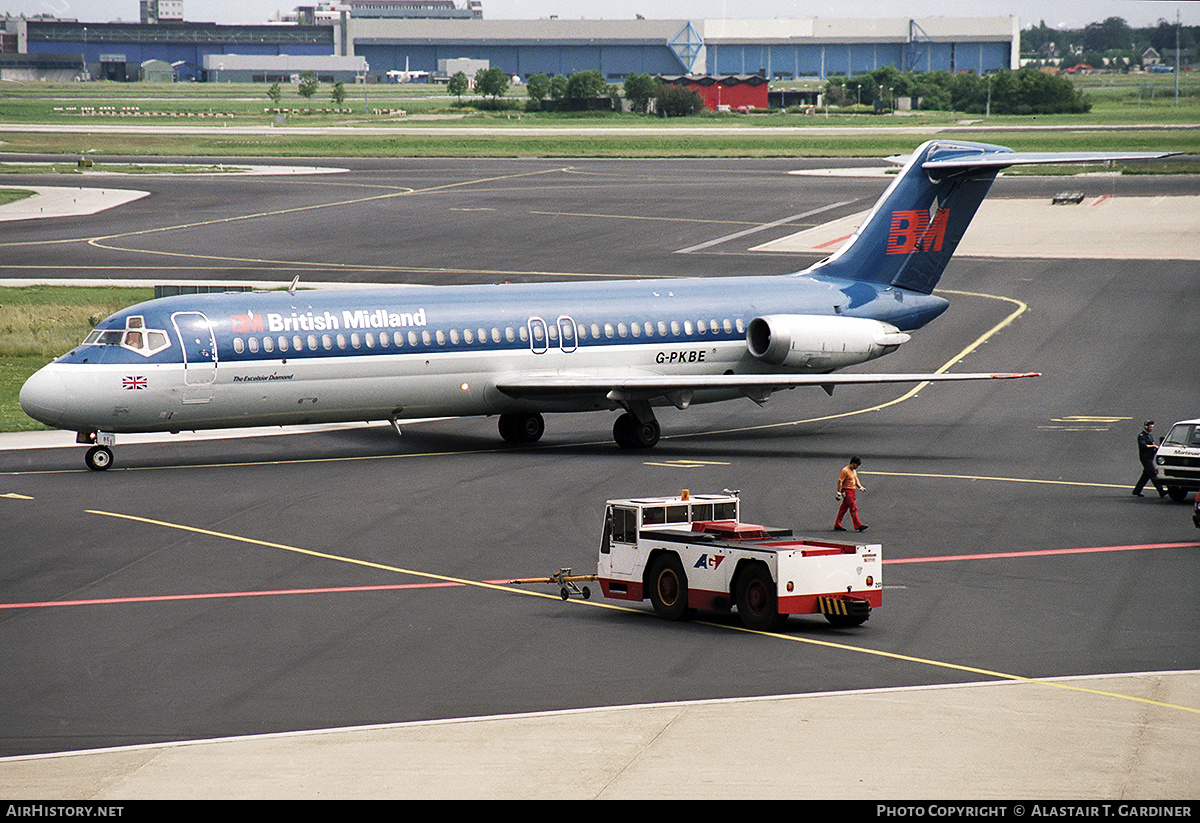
(415, 35)
(116, 51)
(282, 68)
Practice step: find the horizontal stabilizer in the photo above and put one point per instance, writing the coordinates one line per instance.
(909, 236)
(998, 158)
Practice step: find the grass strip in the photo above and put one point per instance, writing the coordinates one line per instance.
(37, 324)
(502, 143)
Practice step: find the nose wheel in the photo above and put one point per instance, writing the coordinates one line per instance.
(98, 458)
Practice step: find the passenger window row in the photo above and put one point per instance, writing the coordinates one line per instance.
(455, 337)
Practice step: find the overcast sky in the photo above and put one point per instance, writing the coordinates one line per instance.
(1055, 12)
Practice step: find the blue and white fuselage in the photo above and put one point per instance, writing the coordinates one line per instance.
(270, 358)
(520, 350)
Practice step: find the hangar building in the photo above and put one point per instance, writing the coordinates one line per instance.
(776, 48)
(116, 51)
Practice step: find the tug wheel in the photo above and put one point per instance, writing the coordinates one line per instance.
(669, 588)
(757, 604)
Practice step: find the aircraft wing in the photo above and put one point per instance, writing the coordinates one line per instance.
(678, 389)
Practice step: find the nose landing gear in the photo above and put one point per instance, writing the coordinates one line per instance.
(99, 457)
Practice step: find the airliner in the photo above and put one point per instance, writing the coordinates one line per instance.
(519, 351)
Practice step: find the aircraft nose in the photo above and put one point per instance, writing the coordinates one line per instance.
(44, 396)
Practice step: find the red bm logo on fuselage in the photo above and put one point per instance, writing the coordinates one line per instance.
(913, 231)
(249, 323)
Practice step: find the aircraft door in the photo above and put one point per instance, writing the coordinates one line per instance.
(199, 347)
(538, 338)
(566, 334)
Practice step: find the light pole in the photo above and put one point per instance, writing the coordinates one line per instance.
(1177, 58)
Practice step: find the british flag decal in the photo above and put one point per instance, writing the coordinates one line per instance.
(134, 383)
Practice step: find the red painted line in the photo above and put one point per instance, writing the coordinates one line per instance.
(1043, 552)
(106, 601)
(1100, 200)
(832, 242)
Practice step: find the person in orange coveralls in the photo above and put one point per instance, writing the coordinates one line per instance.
(847, 487)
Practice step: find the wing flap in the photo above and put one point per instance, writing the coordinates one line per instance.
(646, 386)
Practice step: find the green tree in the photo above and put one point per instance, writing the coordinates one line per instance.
(1027, 91)
(458, 85)
(338, 95)
(1113, 33)
(558, 87)
(308, 85)
(677, 101)
(491, 82)
(640, 89)
(1162, 38)
(586, 85)
(538, 87)
(275, 93)
(613, 92)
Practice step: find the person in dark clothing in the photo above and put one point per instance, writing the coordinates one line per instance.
(1146, 451)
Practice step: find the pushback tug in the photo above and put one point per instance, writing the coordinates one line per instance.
(691, 552)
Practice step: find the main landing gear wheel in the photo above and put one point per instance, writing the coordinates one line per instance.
(522, 428)
(669, 588)
(632, 434)
(757, 604)
(98, 458)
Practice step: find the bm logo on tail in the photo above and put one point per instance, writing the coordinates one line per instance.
(913, 230)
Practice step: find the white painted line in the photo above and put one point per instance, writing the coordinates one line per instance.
(764, 226)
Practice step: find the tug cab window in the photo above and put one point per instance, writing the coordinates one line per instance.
(624, 525)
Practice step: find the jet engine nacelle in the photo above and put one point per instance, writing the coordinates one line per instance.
(819, 342)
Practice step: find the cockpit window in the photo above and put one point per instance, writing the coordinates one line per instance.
(135, 337)
(102, 337)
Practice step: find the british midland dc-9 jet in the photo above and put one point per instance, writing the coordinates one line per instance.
(521, 350)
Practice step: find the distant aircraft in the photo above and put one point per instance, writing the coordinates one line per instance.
(521, 350)
(406, 76)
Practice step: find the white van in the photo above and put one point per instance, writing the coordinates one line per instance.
(1178, 459)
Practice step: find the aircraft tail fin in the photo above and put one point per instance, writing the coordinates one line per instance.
(914, 228)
